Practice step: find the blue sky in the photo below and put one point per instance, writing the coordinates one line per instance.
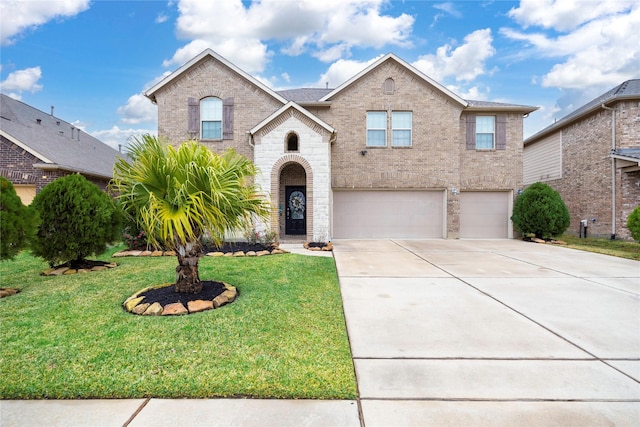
(93, 59)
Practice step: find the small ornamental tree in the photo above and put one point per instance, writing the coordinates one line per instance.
(17, 222)
(633, 224)
(540, 211)
(179, 194)
(77, 220)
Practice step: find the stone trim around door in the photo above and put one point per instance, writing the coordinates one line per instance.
(276, 171)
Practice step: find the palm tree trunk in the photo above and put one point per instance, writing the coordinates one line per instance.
(187, 277)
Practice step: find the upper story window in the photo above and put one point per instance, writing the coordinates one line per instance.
(376, 128)
(292, 142)
(485, 132)
(211, 118)
(401, 124)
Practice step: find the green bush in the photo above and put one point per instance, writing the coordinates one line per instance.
(633, 223)
(540, 211)
(77, 220)
(17, 222)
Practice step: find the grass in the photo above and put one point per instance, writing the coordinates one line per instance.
(618, 248)
(68, 337)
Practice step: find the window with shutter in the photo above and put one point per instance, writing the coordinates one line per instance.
(211, 118)
(485, 132)
(227, 118)
(501, 132)
(471, 131)
(194, 118)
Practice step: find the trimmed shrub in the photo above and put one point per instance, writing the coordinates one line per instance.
(540, 211)
(633, 224)
(17, 222)
(77, 220)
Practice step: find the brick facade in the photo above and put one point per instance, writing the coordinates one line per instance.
(438, 158)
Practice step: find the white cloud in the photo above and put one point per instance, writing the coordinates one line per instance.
(120, 137)
(342, 70)
(23, 80)
(139, 109)
(464, 63)
(19, 16)
(327, 29)
(449, 8)
(602, 52)
(161, 18)
(564, 15)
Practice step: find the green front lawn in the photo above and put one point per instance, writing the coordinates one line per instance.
(68, 337)
(619, 248)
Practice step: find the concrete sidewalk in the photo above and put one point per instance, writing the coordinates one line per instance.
(444, 333)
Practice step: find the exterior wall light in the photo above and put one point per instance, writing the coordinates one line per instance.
(454, 191)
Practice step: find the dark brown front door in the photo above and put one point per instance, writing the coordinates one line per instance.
(296, 202)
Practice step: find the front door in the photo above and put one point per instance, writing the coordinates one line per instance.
(296, 212)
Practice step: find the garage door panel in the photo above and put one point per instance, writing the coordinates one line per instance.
(387, 214)
(484, 214)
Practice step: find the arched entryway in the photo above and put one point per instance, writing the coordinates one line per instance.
(291, 182)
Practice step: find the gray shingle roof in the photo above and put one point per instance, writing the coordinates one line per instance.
(626, 90)
(633, 153)
(303, 95)
(55, 141)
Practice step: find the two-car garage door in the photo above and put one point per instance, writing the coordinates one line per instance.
(378, 214)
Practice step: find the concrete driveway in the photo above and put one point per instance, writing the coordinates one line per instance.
(491, 332)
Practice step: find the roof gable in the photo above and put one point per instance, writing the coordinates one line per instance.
(150, 93)
(296, 107)
(382, 60)
(53, 141)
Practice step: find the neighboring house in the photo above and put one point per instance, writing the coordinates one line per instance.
(390, 153)
(36, 148)
(592, 158)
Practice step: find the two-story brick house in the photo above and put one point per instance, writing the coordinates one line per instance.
(390, 153)
(592, 158)
(37, 148)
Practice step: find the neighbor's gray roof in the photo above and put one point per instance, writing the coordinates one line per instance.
(627, 90)
(58, 144)
(633, 153)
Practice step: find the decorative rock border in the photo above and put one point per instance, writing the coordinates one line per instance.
(213, 254)
(60, 271)
(328, 247)
(550, 242)
(7, 292)
(135, 304)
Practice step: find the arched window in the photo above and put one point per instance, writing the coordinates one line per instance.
(211, 118)
(292, 142)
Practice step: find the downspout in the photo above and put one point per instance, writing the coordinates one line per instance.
(613, 171)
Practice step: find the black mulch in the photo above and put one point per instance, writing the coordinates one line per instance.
(168, 295)
(237, 246)
(83, 263)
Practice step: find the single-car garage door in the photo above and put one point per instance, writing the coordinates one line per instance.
(375, 214)
(484, 214)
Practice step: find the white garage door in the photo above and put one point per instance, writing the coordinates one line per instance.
(484, 214)
(375, 214)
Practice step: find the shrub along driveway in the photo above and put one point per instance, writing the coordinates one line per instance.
(501, 332)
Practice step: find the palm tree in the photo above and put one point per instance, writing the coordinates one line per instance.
(177, 194)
